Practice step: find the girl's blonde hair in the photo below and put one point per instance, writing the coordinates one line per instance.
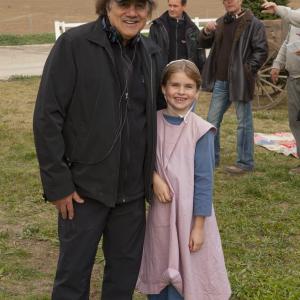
(181, 65)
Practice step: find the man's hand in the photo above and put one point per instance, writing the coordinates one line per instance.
(161, 189)
(269, 7)
(210, 27)
(197, 234)
(297, 52)
(274, 75)
(65, 205)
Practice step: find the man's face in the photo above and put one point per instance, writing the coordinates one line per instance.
(175, 9)
(128, 17)
(233, 6)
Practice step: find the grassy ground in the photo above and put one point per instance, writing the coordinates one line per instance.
(26, 39)
(258, 214)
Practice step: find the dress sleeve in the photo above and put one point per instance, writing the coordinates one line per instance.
(204, 175)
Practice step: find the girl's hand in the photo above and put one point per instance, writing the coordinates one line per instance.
(197, 235)
(161, 189)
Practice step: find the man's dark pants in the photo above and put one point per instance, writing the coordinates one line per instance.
(122, 228)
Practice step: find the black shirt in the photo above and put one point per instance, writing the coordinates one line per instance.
(177, 41)
(224, 52)
(133, 112)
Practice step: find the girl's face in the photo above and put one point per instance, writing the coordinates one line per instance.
(180, 92)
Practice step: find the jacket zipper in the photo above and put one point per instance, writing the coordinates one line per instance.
(153, 135)
(176, 39)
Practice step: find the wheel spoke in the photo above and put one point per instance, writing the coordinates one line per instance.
(271, 84)
(269, 76)
(266, 92)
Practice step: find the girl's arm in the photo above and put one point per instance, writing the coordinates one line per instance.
(203, 188)
(197, 234)
(204, 175)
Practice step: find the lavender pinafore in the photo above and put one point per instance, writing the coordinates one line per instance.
(166, 257)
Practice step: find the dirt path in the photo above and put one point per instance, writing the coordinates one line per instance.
(37, 16)
(33, 16)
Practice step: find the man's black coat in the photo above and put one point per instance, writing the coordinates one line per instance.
(77, 115)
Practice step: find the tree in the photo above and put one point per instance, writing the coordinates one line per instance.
(255, 6)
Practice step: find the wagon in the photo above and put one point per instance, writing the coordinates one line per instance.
(267, 94)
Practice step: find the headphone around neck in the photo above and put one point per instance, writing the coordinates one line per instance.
(230, 18)
(114, 36)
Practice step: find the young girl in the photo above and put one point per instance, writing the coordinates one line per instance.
(183, 256)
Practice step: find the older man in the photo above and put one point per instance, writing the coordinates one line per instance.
(95, 132)
(177, 35)
(289, 58)
(238, 49)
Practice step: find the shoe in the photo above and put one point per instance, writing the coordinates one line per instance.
(295, 171)
(236, 170)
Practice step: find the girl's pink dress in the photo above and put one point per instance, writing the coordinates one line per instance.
(166, 257)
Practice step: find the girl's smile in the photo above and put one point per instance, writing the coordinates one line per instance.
(180, 92)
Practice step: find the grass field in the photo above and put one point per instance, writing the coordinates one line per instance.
(258, 214)
(26, 39)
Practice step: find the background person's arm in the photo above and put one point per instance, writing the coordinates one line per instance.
(259, 46)
(286, 13)
(279, 61)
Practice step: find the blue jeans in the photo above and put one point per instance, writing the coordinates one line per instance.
(168, 293)
(219, 104)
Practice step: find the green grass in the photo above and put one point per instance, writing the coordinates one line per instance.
(258, 214)
(26, 39)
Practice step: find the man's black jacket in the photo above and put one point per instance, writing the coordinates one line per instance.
(77, 115)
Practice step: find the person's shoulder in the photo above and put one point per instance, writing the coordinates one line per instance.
(161, 20)
(249, 16)
(76, 36)
(150, 45)
(81, 30)
(199, 121)
(190, 24)
(200, 126)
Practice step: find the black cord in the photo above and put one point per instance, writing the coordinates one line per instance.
(122, 120)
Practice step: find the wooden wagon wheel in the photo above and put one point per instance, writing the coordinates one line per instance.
(267, 95)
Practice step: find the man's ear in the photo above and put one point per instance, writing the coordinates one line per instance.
(108, 6)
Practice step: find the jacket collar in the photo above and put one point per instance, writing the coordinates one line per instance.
(164, 19)
(243, 23)
(98, 36)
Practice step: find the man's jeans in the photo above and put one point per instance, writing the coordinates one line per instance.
(219, 104)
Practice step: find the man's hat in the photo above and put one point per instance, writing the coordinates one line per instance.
(134, 1)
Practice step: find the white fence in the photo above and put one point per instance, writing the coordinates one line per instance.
(61, 26)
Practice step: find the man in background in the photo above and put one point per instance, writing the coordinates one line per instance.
(238, 49)
(288, 57)
(177, 35)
